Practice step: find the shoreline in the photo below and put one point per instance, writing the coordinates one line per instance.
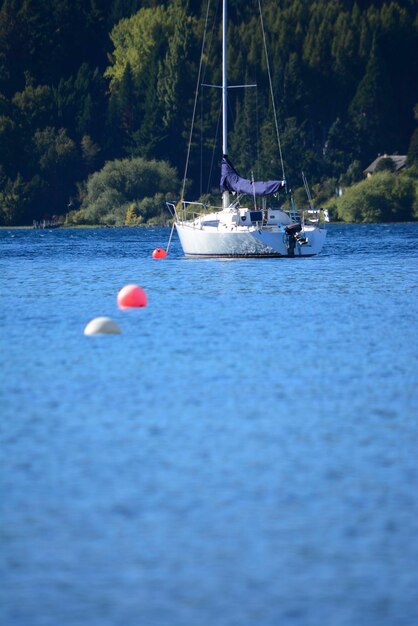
(78, 226)
(91, 226)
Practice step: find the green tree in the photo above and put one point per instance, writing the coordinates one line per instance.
(297, 154)
(354, 174)
(57, 158)
(133, 217)
(338, 149)
(90, 152)
(133, 118)
(35, 106)
(294, 93)
(111, 191)
(385, 197)
(124, 113)
(127, 97)
(134, 40)
(10, 144)
(385, 165)
(150, 134)
(413, 143)
(371, 106)
(173, 85)
(244, 141)
(90, 93)
(13, 201)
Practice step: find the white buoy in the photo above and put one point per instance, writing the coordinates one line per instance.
(102, 326)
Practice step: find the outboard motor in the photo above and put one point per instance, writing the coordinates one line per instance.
(293, 233)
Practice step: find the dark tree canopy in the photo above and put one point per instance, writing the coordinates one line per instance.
(86, 82)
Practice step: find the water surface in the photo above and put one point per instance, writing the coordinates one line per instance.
(243, 453)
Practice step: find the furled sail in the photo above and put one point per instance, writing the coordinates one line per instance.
(231, 181)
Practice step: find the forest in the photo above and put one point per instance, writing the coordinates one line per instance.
(97, 96)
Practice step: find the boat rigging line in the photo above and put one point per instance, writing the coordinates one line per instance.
(171, 235)
(308, 191)
(271, 89)
(201, 76)
(195, 103)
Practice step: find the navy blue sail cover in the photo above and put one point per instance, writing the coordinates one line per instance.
(231, 181)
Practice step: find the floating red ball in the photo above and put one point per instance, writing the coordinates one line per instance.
(131, 296)
(159, 253)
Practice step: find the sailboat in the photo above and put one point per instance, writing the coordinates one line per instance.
(247, 224)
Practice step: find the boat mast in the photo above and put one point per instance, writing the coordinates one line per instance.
(225, 195)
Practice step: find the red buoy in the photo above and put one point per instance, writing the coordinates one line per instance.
(131, 296)
(159, 253)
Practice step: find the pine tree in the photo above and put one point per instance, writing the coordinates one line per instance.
(338, 149)
(13, 202)
(413, 144)
(371, 107)
(147, 139)
(173, 81)
(244, 140)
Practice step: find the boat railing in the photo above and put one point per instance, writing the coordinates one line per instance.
(189, 211)
(311, 216)
(315, 216)
(185, 211)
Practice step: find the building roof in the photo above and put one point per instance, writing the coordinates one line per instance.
(399, 161)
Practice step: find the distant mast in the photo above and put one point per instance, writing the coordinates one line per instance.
(225, 195)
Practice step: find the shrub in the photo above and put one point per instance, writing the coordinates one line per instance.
(384, 197)
(128, 191)
(385, 165)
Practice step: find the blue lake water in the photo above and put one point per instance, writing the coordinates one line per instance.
(244, 452)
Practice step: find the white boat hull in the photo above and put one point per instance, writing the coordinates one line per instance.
(250, 242)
